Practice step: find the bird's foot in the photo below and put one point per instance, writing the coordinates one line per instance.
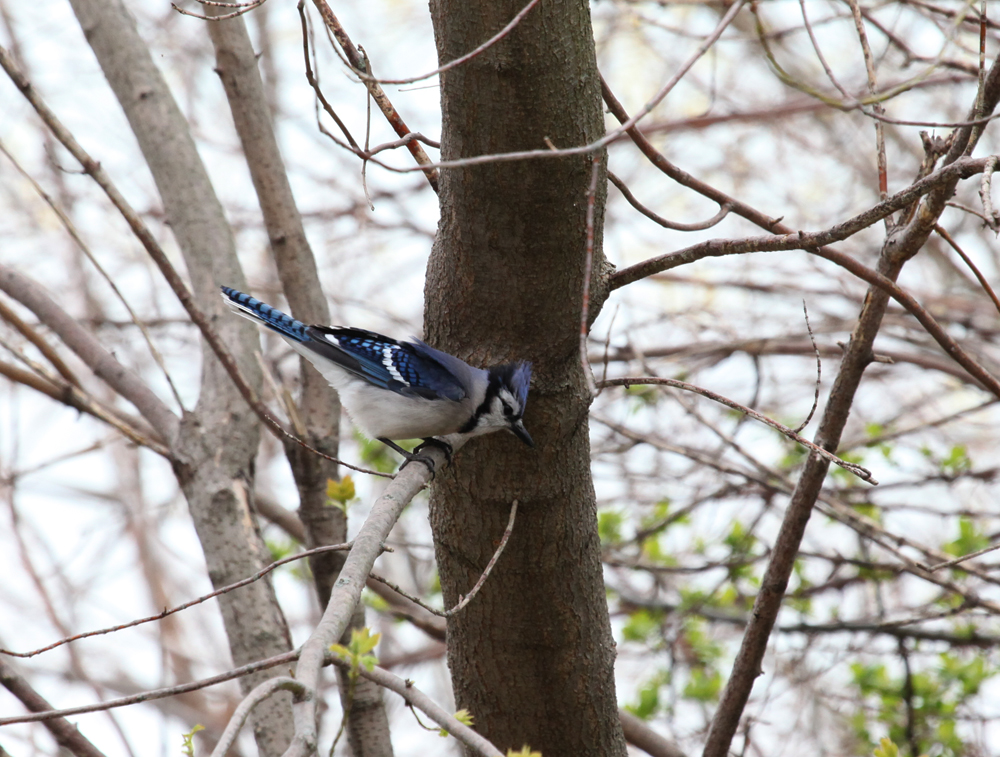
(441, 444)
(416, 456)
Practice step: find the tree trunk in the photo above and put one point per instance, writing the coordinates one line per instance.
(532, 657)
(213, 454)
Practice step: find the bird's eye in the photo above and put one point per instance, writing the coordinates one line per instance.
(507, 409)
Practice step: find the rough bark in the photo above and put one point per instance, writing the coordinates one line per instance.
(532, 657)
(215, 450)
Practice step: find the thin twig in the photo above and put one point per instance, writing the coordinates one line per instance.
(816, 244)
(967, 209)
(863, 473)
(410, 693)
(819, 53)
(66, 734)
(943, 233)
(364, 161)
(357, 62)
(656, 218)
(99, 360)
(883, 173)
(314, 80)
(85, 249)
(224, 4)
(588, 265)
(154, 694)
(819, 370)
(587, 149)
(963, 558)
(463, 601)
(364, 75)
(76, 398)
(242, 8)
(477, 744)
(204, 598)
(475, 589)
(48, 351)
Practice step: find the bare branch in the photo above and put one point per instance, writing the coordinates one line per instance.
(963, 558)
(149, 696)
(682, 177)
(639, 734)
(85, 249)
(787, 239)
(462, 59)
(863, 473)
(89, 350)
(130, 427)
(360, 63)
(262, 691)
(627, 193)
(346, 592)
(204, 598)
(65, 733)
(241, 9)
(587, 149)
(819, 370)
(985, 194)
(943, 233)
(883, 176)
(413, 696)
(816, 245)
(463, 601)
(36, 339)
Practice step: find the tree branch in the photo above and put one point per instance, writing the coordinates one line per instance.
(65, 733)
(77, 399)
(262, 691)
(347, 591)
(863, 473)
(360, 62)
(90, 351)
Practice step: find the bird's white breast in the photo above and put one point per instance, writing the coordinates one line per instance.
(384, 413)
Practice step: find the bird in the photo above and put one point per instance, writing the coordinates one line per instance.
(402, 389)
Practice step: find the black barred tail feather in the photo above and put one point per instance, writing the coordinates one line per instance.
(255, 310)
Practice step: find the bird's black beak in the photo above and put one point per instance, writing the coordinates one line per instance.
(521, 432)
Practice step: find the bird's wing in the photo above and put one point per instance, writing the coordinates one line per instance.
(397, 366)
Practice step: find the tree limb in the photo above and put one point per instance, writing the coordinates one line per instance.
(90, 351)
(66, 734)
(346, 592)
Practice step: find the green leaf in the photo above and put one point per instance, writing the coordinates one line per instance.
(957, 461)
(188, 746)
(340, 491)
(887, 749)
(525, 752)
(280, 549)
(704, 685)
(970, 539)
(356, 652)
(463, 716)
(642, 625)
(609, 526)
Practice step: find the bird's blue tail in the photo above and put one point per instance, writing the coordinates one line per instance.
(255, 310)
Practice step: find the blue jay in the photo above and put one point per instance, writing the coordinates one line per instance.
(402, 390)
